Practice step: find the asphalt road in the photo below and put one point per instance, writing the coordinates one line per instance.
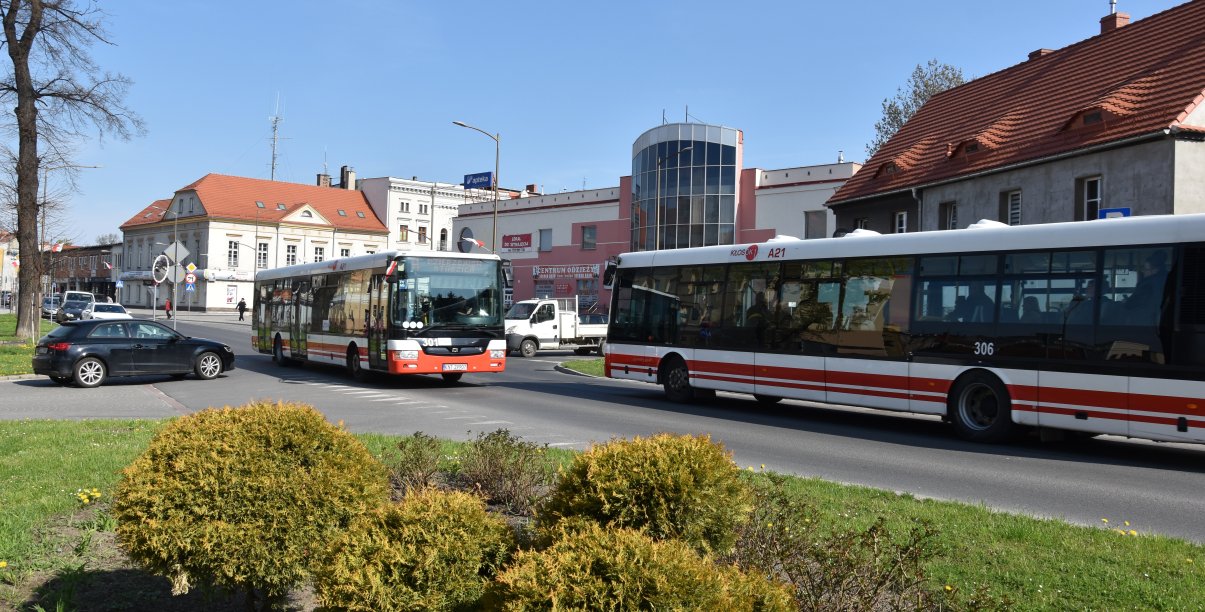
(1159, 488)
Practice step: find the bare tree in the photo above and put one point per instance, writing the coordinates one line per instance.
(58, 93)
(927, 80)
(108, 238)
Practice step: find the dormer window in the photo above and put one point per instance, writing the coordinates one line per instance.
(1093, 117)
(305, 214)
(888, 168)
(972, 147)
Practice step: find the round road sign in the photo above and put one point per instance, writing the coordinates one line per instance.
(190, 278)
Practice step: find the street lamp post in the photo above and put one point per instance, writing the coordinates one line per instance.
(657, 199)
(497, 151)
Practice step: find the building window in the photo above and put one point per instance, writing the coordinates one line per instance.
(546, 240)
(291, 255)
(405, 207)
(443, 239)
(370, 251)
(422, 235)
(404, 232)
(422, 209)
(261, 255)
(232, 254)
(815, 224)
(1010, 207)
(588, 237)
(862, 223)
(1088, 198)
(949, 215)
(901, 222)
(319, 253)
(344, 252)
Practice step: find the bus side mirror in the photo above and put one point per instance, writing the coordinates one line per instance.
(609, 274)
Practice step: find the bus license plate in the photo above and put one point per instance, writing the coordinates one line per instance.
(455, 367)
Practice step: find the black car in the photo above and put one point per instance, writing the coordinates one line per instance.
(73, 310)
(88, 352)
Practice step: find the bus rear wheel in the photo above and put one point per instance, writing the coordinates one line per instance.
(278, 352)
(981, 409)
(675, 377)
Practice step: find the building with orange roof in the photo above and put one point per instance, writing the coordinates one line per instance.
(1113, 124)
(229, 227)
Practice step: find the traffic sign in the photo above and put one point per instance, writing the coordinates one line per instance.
(176, 252)
(190, 287)
(190, 278)
(191, 267)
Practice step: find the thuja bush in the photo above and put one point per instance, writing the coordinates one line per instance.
(681, 487)
(435, 550)
(237, 497)
(590, 567)
(417, 462)
(505, 469)
(842, 569)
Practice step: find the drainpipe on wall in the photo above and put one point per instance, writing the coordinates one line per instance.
(920, 210)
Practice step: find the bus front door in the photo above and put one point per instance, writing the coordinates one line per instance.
(378, 306)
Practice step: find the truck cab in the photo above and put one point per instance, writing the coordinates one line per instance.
(548, 324)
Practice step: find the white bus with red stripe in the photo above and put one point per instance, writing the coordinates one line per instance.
(1095, 327)
(394, 312)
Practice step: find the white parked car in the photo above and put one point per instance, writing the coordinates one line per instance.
(110, 311)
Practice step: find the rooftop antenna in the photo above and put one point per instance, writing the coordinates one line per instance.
(663, 121)
(275, 119)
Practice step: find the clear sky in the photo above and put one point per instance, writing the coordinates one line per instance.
(569, 85)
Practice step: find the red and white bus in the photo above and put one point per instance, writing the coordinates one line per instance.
(394, 312)
(1095, 327)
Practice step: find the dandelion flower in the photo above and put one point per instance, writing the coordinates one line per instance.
(949, 588)
(1104, 520)
(763, 467)
(4, 564)
(1133, 533)
(1127, 523)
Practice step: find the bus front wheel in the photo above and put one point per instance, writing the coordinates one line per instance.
(353, 363)
(452, 377)
(676, 380)
(981, 409)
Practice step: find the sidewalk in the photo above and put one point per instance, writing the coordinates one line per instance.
(218, 316)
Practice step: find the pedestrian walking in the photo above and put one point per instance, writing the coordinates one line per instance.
(167, 307)
(242, 308)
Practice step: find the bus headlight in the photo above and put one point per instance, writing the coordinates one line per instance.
(405, 355)
(497, 353)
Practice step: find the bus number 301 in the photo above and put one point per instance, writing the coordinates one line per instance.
(985, 349)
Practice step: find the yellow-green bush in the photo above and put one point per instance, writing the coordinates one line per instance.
(680, 487)
(435, 550)
(239, 497)
(596, 568)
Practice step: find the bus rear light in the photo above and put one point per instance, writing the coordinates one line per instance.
(405, 355)
(497, 353)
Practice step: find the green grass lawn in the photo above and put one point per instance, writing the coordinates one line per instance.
(1037, 564)
(593, 367)
(15, 358)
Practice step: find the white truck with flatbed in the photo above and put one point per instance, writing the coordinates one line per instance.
(552, 323)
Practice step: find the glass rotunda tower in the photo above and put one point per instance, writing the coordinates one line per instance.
(684, 186)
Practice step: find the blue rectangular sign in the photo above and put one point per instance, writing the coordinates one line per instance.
(481, 180)
(1109, 213)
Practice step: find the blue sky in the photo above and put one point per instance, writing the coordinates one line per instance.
(570, 86)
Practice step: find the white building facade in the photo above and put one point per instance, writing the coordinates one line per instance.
(419, 214)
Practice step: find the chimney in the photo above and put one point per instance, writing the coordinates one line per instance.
(347, 178)
(324, 179)
(1040, 53)
(532, 188)
(1111, 22)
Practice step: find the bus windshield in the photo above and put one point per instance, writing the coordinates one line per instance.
(447, 292)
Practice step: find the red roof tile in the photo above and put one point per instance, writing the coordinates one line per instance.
(234, 197)
(1139, 79)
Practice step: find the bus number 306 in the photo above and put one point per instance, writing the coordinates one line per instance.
(985, 349)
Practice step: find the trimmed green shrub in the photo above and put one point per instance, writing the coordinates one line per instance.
(436, 550)
(680, 487)
(507, 470)
(417, 462)
(238, 497)
(595, 568)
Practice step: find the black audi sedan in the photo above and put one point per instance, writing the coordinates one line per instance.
(88, 352)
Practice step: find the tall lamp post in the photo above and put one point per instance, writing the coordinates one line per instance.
(497, 149)
(657, 200)
(175, 252)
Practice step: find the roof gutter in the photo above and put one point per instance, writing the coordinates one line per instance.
(1042, 160)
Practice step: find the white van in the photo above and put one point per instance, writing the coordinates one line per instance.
(78, 296)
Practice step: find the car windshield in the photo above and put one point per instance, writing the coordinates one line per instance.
(50, 300)
(521, 310)
(109, 308)
(75, 305)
